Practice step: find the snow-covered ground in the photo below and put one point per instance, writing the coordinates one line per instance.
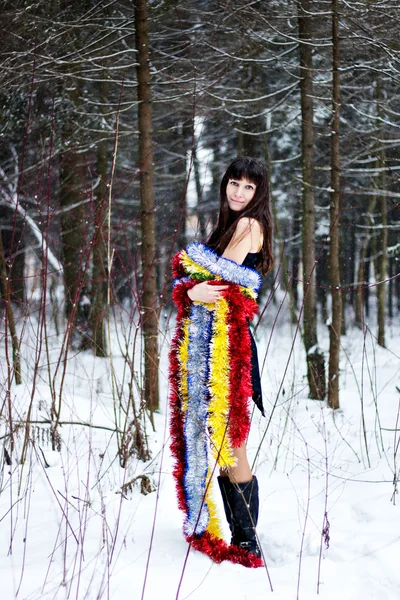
(329, 519)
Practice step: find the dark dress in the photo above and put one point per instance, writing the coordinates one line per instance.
(251, 261)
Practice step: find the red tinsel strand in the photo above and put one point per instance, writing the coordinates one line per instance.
(177, 268)
(240, 384)
(180, 297)
(176, 419)
(177, 446)
(218, 550)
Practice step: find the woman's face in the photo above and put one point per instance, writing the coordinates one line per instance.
(239, 192)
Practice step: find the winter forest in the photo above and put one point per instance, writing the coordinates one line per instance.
(117, 122)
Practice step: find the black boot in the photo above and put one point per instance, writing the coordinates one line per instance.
(225, 488)
(241, 508)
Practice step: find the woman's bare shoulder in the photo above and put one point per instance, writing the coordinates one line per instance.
(248, 234)
(248, 228)
(249, 224)
(245, 239)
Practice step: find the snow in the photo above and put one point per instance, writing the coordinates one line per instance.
(67, 531)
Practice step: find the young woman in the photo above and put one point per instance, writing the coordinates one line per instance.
(240, 243)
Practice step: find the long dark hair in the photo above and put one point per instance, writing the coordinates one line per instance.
(258, 209)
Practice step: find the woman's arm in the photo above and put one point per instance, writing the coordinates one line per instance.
(206, 291)
(247, 238)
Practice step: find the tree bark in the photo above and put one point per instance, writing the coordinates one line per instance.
(382, 261)
(99, 249)
(336, 321)
(295, 255)
(362, 268)
(72, 210)
(15, 256)
(149, 308)
(343, 271)
(397, 291)
(315, 359)
(199, 194)
(5, 288)
(322, 282)
(282, 255)
(390, 287)
(71, 231)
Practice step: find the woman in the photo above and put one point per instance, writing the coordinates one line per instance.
(214, 367)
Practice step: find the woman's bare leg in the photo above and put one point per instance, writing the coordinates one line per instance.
(241, 472)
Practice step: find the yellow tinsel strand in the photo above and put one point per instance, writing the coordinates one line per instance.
(192, 268)
(219, 386)
(246, 291)
(214, 525)
(183, 355)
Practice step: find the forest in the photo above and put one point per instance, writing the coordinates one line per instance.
(118, 119)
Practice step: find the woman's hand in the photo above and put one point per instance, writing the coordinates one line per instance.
(206, 291)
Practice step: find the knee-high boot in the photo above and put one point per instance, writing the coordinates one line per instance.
(241, 506)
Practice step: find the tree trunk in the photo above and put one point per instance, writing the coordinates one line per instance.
(353, 238)
(252, 143)
(17, 275)
(322, 282)
(315, 359)
(15, 255)
(72, 235)
(397, 291)
(390, 287)
(149, 310)
(99, 249)
(5, 290)
(343, 272)
(295, 255)
(367, 292)
(362, 279)
(72, 211)
(199, 194)
(382, 260)
(336, 321)
(285, 269)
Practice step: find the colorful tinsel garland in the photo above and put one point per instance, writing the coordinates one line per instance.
(210, 383)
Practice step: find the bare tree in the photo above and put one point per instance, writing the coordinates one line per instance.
(363, 265)
(71, 202)
(382, 260)
(315, 360)
(336, 320)
(10, 320)
(99, 250)
(149, 308)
